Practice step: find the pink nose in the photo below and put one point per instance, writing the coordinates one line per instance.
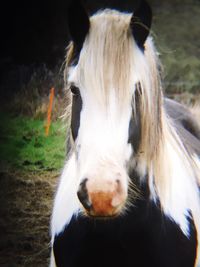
(102, 201)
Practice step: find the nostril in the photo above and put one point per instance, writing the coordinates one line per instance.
(83, 195)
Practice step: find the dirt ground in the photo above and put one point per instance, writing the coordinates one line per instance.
(25, 208)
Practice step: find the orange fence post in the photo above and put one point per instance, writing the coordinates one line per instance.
(49, 112)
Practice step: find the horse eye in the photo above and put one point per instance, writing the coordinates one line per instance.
(75, 90)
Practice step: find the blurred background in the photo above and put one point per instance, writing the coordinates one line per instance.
(34, 38)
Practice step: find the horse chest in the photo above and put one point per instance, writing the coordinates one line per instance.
(141, 238)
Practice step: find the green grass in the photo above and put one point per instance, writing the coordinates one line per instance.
(23, 144)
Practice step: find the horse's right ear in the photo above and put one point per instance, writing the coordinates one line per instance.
(78, 23)
(141, 22)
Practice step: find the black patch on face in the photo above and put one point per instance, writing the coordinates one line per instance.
(143, 237)
(135, 123)
(76, 111)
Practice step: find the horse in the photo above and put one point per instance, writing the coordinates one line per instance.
(129, 191)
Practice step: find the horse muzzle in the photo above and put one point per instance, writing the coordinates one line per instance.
(102, 198)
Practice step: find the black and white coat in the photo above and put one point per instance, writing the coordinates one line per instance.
(129, 191)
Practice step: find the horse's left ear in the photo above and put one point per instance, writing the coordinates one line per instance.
(141, 23)
(78, 22)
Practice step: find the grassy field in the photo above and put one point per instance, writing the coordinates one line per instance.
(29, 170)
(24, 145)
